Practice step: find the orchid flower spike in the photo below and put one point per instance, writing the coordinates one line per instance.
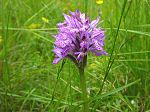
(77, 36)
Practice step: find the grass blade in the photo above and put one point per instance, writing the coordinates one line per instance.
(108, 93)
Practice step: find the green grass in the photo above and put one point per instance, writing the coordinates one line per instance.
(30, 82)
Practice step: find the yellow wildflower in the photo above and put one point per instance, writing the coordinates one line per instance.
(37, 37)
(34, 26)
(65, 8)
(37, 52)
(93, 88)
(99, 1)
(45, 20)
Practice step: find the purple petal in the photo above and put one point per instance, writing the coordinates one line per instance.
(105, 53)
(82, 44)
(56, 60)
(87, 21)
(101, 43)
(82, 17)
(72, 13)
(97, 46)
(78, 13)
(74, 30)
(97, 53)
(57, 51)
(77, 53)
(68, 18)
(94, 23)
(61, 24)
(80, 57)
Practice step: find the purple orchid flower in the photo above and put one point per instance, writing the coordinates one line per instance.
(77, 36)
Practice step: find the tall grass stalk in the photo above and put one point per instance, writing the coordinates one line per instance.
(58, 76)
(110, 59)
(111, 55)
(5, 35)
(98, 97)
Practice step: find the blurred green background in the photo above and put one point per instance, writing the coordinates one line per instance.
(29, 82)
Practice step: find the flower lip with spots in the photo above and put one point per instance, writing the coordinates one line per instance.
(77, 36)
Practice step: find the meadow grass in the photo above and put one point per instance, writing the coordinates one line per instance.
(29, 82)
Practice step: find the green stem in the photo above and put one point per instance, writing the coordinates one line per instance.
(83, 87)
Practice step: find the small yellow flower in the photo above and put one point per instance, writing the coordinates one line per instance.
(37, 52)
(0, 39)
(34, 26)
(93, 88)
(99, 1)
(45, 20)
(37, 37)
(39, 56)
(65, 8)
